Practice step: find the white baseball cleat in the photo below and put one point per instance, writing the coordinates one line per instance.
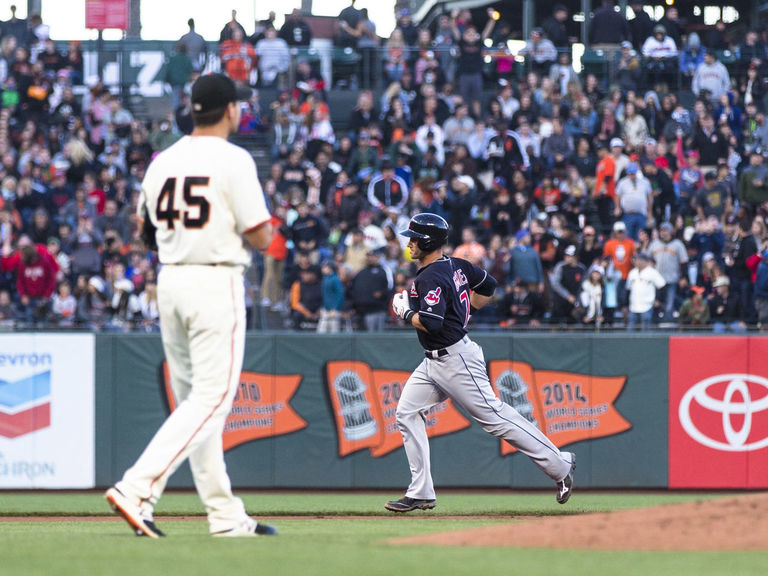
(247, 528)
(141, 522)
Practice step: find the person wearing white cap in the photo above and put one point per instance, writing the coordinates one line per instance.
(620, 159)
(566, 279)
(592, 297)
(725, 308)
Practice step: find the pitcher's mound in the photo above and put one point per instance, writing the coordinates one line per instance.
(732, 523)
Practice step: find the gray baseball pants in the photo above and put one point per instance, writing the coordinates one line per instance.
(461, 375)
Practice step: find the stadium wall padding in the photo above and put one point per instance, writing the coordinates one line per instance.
(619, 381)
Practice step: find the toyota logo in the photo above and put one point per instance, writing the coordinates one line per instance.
(736, 401)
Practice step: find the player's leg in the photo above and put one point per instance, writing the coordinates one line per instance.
(419, 394)
(464, 377)
(211, 317)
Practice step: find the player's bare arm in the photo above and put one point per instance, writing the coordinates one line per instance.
(260, 236)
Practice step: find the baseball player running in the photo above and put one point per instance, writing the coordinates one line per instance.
(200, 196)
(444, 294)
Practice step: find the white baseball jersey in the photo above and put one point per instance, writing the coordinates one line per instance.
(210, 199)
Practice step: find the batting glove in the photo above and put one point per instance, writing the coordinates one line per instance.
(401, 306)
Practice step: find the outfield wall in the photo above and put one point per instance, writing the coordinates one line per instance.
(641, 411)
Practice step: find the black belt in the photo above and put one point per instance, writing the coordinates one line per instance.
(436, 353)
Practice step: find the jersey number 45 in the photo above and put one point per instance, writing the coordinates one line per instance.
(198, 209)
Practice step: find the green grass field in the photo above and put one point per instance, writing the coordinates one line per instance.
(349, 539)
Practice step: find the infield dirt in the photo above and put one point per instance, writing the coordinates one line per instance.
(734, 523)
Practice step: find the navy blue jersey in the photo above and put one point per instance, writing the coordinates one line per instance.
(440, 294)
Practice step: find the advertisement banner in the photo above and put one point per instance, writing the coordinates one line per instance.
(103, 14)
(566, 406)
(46, 411)
(261, 407)
(718, 412)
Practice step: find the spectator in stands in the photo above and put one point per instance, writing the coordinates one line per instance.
(347, 23)
(725, 309)
(274, 258)
(711, 79)
(178, 72)
(387, 189)
(237, 57)
(643, 284)
(306, 298)
(228, 32)
(671, 23)
(470, 249)
(555, 27)
(712, 198)
(525, 263)
(691, 58)
(333, 299)
(539, 52)
(671, 259)
(608, 28)
(459, 127)
(566, 282)
(562, 72)
(753, 182)
(16, 27)
(407, 27)
(445, 47)
(709, 142)
(35, 276)
(660, 52)
(197, 49)
(470, 75)
(635, 200)
(370, 292)
(520, 306)
(751, 51)
(641, 26)
(634, 128)
(274, 59)
(694, 311)
(295, 30)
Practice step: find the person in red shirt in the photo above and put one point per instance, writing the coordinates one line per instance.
(605, 186)
(238, 57)
(547, 195)
(274, 260)
(36, 273)
(617, 254)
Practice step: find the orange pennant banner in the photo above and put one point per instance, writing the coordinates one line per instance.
(364, 404)
(261, 408)
(566, 406)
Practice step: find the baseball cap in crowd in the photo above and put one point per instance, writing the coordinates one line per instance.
(698, 289)
(765, 254)
(596, 268)
(632, 168)
(619, 227)
(617, 142)
(466, 180)
(707, 256)
(626, 44)
(215, 91)
(666, 226)
(721, 281)
(522, 234)
(644, 256)
(570, 250)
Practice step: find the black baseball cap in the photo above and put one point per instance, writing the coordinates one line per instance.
(215, 91)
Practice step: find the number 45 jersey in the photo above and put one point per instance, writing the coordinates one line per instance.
(440, 294)
(202, 194)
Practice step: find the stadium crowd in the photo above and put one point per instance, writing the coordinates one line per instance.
(594, 200)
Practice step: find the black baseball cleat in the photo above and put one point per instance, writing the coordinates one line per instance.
(565, 486)
(406, 504)
(142, 524)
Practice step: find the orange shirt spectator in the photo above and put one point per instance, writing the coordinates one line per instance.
(238, 57)
(470, 249)
(605, 181)
(620, 250)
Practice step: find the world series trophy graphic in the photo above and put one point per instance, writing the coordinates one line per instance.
(513, 391)
(355, 409)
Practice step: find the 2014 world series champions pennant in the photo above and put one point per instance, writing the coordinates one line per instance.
(261, 408)
(566, 406)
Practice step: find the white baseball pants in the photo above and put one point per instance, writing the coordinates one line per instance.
(202, 320)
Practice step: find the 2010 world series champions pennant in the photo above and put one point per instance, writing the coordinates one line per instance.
(261, 408)
(566, 406)
(364, 402)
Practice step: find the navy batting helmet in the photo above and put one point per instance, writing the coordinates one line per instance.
(430, 229)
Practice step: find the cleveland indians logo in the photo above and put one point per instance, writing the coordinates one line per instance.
(725, 396)
(432, 297)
